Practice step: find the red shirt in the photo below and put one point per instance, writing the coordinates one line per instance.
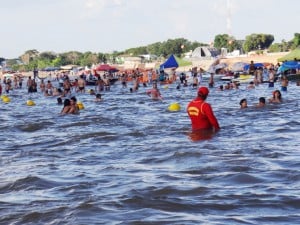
(201, 115)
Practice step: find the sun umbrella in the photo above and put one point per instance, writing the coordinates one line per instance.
(238, 66)
(221, 66)
(214, 67)
(256, 65)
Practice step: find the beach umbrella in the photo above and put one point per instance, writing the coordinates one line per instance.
(289, 65)
(238, 66)
(256, 65)
(216, 66)
(221, 66)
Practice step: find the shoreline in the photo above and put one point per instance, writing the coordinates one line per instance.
(202, 63)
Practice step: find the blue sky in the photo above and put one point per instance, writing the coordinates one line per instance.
(108, 25)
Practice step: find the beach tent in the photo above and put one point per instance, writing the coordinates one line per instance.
(289, 65)
(291, 56)
(169, 63)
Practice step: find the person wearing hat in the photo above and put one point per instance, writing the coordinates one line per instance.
(201, 113)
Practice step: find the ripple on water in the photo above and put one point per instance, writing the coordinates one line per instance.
(29, 183)
(128, 160)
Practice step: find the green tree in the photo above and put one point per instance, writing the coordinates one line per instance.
(296, 40)
(276, 47)
(284, 46)
(257, 42)
(226, 41)
(49, 56)
(102, 58)
(29, 55)
(221, 41)
(2, 59)
(57, 62)
(137, 51)
(88, 59)
(72, 57)
(154, 48)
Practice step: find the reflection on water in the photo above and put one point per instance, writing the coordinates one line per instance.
(201, 135)
(129, 160)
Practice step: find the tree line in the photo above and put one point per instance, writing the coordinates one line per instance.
(32, 59)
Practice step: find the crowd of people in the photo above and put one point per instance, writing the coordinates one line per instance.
(64, 89)
(200, 112)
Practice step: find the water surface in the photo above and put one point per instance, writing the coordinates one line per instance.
(128, 160)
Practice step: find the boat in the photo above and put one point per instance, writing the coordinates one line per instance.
(227, 77)
(244, 78)
(206, 76)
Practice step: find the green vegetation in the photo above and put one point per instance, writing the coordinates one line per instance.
(182, 62)
(255, 42)
(286, 45)
(295, 54)
(171, 46)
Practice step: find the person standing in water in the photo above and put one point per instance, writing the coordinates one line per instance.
(201, 113)
(284, 83)
(154, 93)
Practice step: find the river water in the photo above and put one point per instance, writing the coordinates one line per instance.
(128, 160)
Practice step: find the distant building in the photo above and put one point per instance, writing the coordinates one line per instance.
(131, 62)
(188, 54)
(148, 57)
(205, 52)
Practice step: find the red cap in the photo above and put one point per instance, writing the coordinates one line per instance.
(203, 91)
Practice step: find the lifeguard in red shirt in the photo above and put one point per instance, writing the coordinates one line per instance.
(201, 113)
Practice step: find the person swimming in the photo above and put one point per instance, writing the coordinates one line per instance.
(261, 102)
(243, 103)
(59, 101)
(67, 107)
(276, 98)
(154, 93)
(74, 107)
(98, 97)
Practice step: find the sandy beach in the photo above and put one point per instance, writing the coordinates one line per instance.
(205, 63)
(263, 58)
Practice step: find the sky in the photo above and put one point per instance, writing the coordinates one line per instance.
(116, 25)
